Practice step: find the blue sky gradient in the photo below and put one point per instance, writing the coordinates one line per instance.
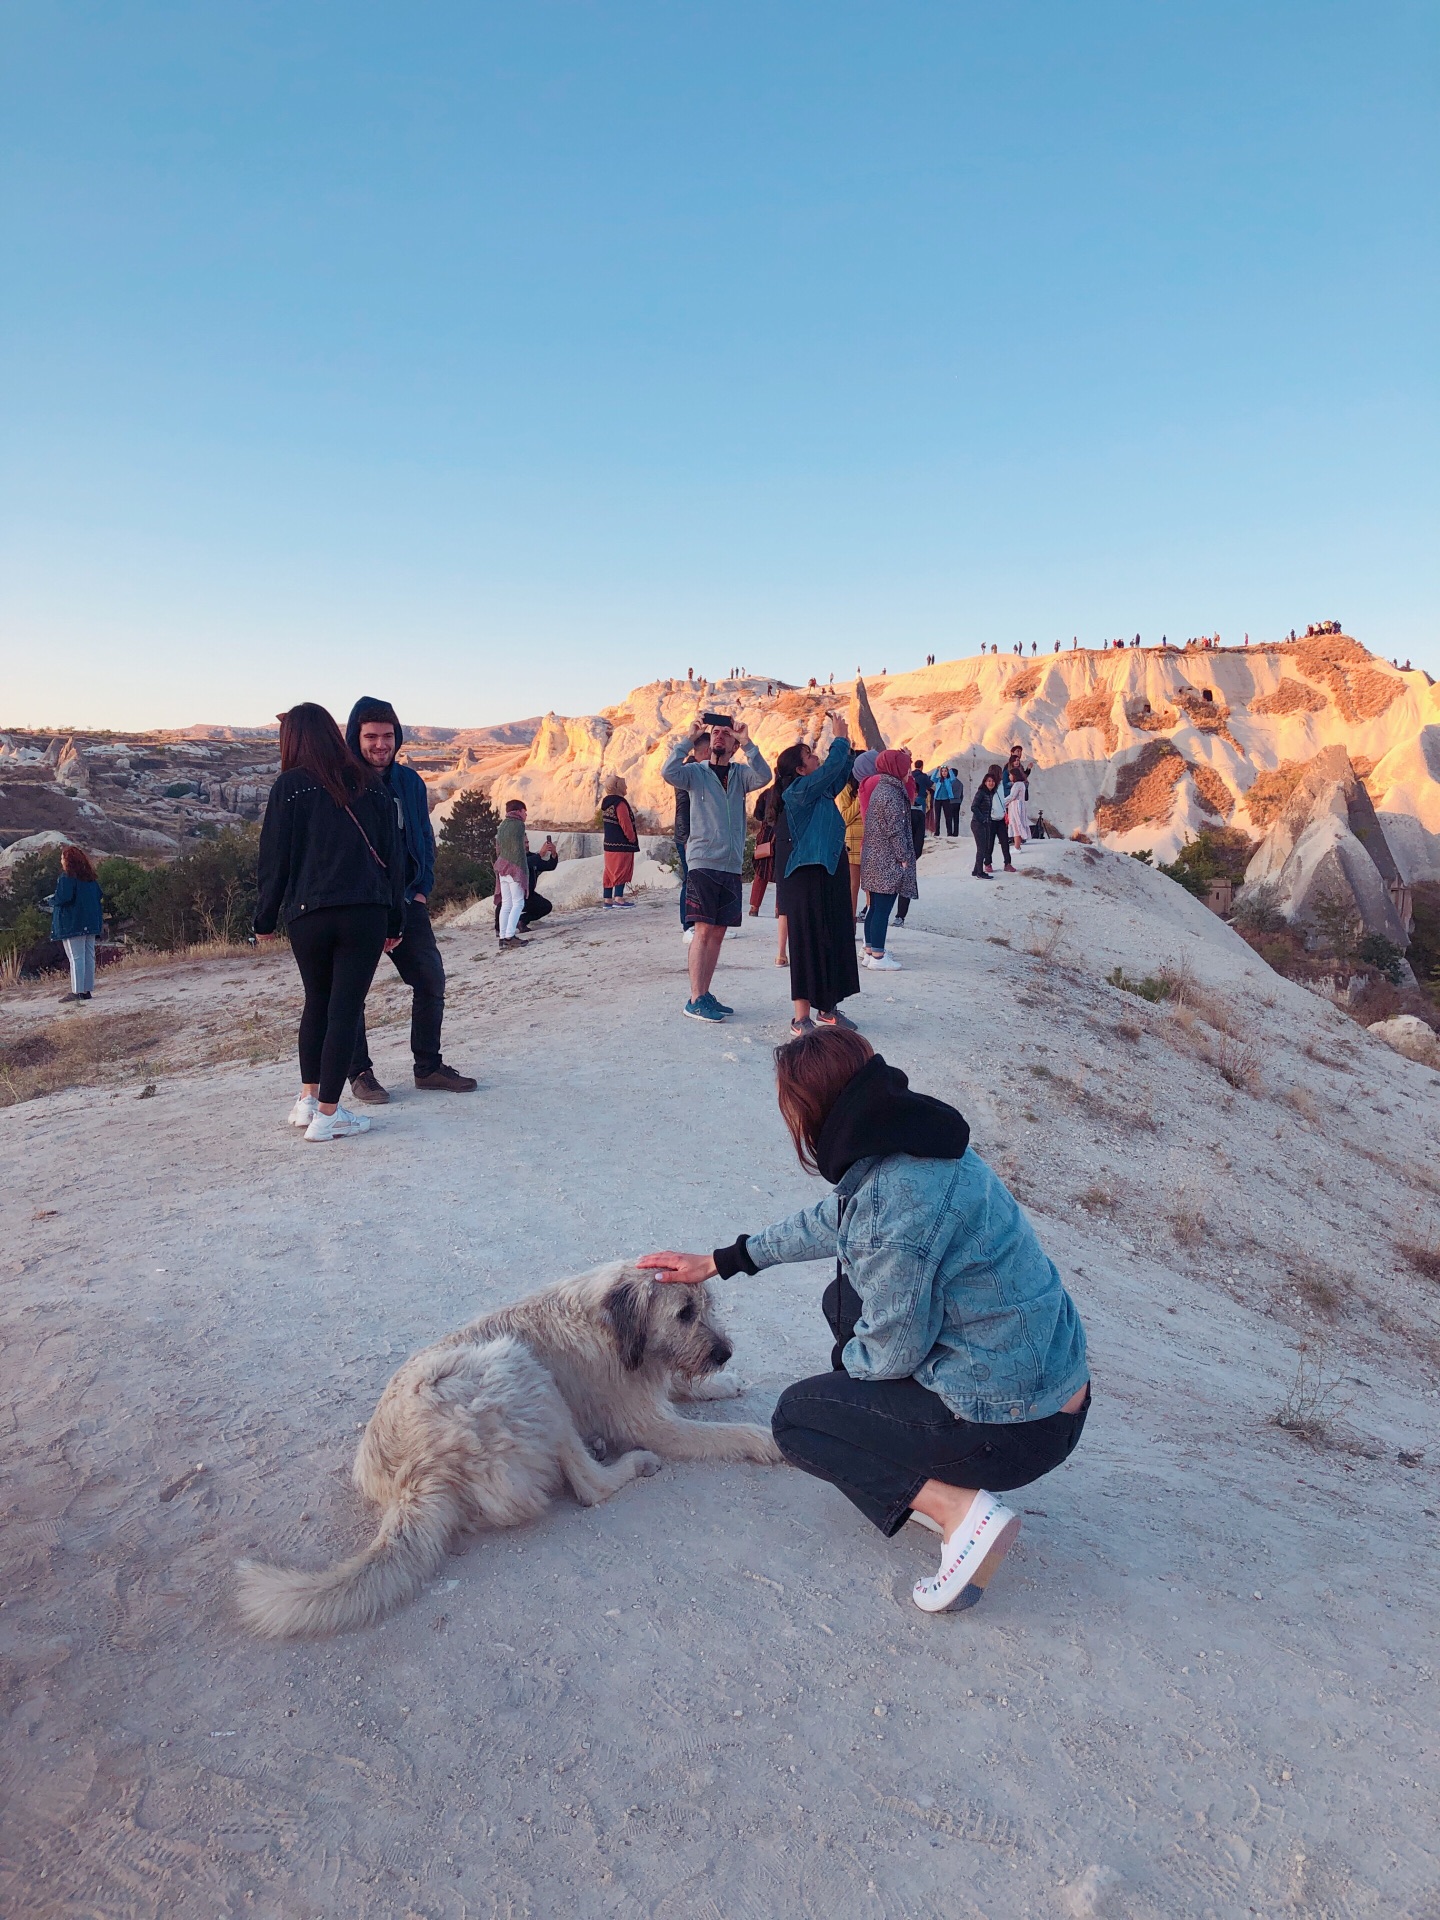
(497, 359)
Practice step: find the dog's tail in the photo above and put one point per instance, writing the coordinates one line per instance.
(283, 1603)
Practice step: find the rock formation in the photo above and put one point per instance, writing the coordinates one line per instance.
(1326, 853)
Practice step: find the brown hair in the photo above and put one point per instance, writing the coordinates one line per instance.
(811, 1072)
(78, 864)
(311, 741)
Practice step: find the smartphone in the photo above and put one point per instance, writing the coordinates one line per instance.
(718, 719)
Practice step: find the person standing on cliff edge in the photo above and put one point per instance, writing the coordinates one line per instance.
(374, 735)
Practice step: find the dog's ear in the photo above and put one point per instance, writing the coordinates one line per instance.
(628, 1313)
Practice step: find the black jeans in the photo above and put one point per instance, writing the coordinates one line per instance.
(879, 1441)
(984, 840)
(418, 963)
(951, 811)
(337, 950)
(1000, 837)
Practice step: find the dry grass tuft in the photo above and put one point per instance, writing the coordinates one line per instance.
(1020, 686)
(1305, 1104)
(1309, 1406)
(1094, 710)
(1127, 1030)
(1215, 796)
(1097, 1199)
(1238, 1064)
(1266, 796)
(76, 1050)
(1144, 793)
(1422, 1255)
(1291, 696)
(1320, 1292)
(1187, 1223)
(1044, 938)
(1156, 720)
(1360, 689)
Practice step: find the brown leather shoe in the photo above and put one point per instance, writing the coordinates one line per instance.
(445, 1080)
(368, 1090)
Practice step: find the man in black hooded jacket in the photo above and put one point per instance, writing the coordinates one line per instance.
(374, 735)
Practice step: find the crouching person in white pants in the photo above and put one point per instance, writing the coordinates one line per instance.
(512, 873)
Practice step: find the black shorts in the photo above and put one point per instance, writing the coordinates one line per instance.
(712, 898)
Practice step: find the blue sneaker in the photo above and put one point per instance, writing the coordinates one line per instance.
(705, 1008)
(719, 1006)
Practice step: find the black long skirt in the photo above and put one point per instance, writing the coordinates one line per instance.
(823, 968)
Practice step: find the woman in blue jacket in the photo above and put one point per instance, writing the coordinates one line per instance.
(959, 1369)
(813, 880)
(75, 919)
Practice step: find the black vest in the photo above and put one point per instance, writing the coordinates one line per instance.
(615, 840)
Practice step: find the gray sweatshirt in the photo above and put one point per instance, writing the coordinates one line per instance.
(717, 813)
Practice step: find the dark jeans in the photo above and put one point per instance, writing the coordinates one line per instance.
(951, 810)
(418, 963)
(1000, 837)
(879, 1441)
(877, 919)
(337, 950)
(684, 876)
(983, 842)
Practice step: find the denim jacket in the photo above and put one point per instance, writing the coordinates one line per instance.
(817, 827)
(956, 1290)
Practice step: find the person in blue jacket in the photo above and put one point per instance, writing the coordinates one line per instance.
(373, 734)
(960, 1368)
(75, 919)
(813, 880)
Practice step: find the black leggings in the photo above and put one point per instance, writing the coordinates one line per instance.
(879, 1441)
(951, 811)
(983, 843)
(337, 950)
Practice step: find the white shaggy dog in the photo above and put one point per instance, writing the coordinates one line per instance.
(483, 1428)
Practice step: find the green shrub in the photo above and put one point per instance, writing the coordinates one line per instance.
(178, 789)
(1216, 853)
(1147, 989)
(1424, 949)
(123, 886)
(465, 852)
(1387, 959)
(207, 894)
(23, 921)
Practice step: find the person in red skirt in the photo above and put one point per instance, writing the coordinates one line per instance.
(622, 843)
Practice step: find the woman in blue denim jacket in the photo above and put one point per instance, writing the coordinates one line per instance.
(959, 1369)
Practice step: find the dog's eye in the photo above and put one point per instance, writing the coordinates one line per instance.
(687, 1312)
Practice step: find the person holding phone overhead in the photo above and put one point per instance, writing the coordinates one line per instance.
(332, 864)
(716, 848)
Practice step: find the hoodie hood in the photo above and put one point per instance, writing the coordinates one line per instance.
(877, 1114)
(372, 710)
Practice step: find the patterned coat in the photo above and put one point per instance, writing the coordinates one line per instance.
(887, 859)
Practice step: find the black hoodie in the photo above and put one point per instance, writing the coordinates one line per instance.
(409, 791)
(876, 1115)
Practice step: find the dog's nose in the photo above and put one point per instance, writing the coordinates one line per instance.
(720, 1352)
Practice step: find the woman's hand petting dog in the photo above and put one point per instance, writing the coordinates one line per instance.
(690, 1269)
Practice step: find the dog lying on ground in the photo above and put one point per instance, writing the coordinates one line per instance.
(486, 1426)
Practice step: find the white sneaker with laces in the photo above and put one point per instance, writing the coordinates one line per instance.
(304, 1110)
(882, 963)
(339, 1125)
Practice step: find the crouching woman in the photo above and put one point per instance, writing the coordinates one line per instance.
(959, 1369)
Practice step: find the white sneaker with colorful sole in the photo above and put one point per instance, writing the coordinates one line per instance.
(968, 1559)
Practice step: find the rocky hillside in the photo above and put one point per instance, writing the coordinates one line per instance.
(1135, 747)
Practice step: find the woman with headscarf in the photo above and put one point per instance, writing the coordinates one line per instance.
(814, 882)
(861, 768)
(887, 859)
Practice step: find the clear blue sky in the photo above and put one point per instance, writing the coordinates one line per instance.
(501, 358)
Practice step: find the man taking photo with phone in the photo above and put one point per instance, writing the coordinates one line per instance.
(374, 735)
(718, 790)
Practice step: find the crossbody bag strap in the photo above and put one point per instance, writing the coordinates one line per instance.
(366, 838)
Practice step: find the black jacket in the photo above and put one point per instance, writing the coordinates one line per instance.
(313, 854)
(981, 804)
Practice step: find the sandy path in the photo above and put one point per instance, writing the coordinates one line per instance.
(1204, 1686)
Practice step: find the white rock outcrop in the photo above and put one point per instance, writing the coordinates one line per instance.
(1410, 1036)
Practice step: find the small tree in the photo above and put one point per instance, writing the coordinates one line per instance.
(123, 887)
(1334, 918)
(208, 894)
(465, 851)
(1216, 853)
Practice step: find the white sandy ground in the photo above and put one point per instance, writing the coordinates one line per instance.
(1203, 1685)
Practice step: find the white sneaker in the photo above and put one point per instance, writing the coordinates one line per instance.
(969, 1557)
(689, 935)
(882, 963)
(304, 1110)
(339, 1125)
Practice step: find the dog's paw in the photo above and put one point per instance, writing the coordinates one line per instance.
(596, 1448)
(712, 1386)
(765, 1452)
(647, 1464)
